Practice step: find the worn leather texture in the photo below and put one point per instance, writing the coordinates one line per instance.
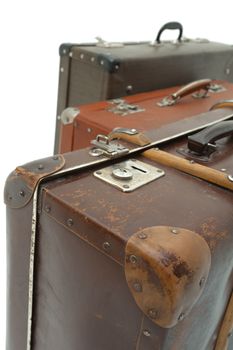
(81, 297)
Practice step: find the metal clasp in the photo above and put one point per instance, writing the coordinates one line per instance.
(123, 108)
(103, 146)
(107, 44)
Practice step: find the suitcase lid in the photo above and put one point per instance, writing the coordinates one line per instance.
(111, 58)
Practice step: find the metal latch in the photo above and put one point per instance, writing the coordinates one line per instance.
(107, 44)
(129, 175)
(123, 108)
(103, 146)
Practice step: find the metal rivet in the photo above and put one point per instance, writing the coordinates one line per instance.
(181, 149)
(156, 149)
(40, 167)
(159, 171)
(228, 71)
(146, 333)
(71, 54)
(125, 186)
(62, 69)
(153, 313)
(133, 259)
(102, 62)
(47, 209)
(223, 169)
(89, 130)
(22, 193)
(82, 56)
(133, 130)
(181, 317)
(55, 158)
(95, 152)
(70, 222)
(106, 246)
(202, 280)
(58, 117)
(99, 172)
(93, 59)
(129, 88)
(230, 178)
(64, 51)
(191, 161)
(142, 235)
(137, 287)
(175, 231)
(116, 67)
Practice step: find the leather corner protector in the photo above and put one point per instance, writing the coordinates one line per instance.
(166, 270)
(69, 114)
(21, 183)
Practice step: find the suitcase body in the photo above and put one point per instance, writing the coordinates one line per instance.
(142, 111)
(102, 71)
(94, 275)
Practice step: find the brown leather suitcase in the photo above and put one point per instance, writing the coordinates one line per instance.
(125, 246)
(79, 125)
(102, 70)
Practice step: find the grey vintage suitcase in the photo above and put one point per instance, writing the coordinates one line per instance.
(102, 71)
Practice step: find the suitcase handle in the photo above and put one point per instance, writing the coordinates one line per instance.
(195, 86)
(222, 104)
(204, 140)
(171, 26)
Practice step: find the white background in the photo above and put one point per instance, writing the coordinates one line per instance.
(30, 34)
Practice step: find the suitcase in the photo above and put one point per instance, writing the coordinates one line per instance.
(79, 125)
(125, 246)
(102, 71)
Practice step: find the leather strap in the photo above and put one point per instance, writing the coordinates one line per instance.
(203, 172)
(226, 328)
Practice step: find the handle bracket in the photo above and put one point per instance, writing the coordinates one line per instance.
(204, 141)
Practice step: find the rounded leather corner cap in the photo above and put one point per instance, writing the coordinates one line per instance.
(166, 270)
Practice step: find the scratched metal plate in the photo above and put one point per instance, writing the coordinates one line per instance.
(129, 175)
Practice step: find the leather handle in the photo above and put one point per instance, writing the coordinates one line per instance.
(203, 140)
(170, 26)
(195, 86)
(222, 104)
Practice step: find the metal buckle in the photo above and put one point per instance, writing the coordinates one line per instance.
(103, 146)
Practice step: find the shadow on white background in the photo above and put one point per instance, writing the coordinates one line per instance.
(30, 36)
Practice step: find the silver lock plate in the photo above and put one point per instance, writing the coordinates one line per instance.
(129, 175)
